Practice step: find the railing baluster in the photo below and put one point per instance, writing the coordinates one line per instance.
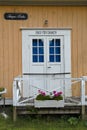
(14, 93)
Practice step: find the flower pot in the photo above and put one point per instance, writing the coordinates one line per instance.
(3, 91)
(48, 103)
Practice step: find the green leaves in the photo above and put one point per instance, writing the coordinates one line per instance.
(1, 89)
(41, 97)
(73, 121)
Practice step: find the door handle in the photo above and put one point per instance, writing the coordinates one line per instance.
(49, 66)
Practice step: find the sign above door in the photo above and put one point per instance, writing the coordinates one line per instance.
(16, 16)
(46, 32)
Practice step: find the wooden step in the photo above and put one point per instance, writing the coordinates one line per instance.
(65, 110)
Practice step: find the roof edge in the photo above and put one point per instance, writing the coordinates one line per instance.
(73, 3)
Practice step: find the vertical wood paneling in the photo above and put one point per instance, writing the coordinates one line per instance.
(5, 56)
(30, 21)
(10, 40)
(74, 42)
(57, 16)
(10, 52)
(79, 44)
(52, 16)
(75, 48)
(35, 16)
(44, 15)
(40, 17)
(69, 16)
(15, 51)
(65, 17)
(20, 53)
(84, 40)
(1, 51)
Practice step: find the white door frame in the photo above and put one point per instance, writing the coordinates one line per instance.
(66, 33)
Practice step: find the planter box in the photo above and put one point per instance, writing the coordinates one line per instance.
(48, 104)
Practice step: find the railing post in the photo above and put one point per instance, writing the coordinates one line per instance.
(83, 97)
(14, 99)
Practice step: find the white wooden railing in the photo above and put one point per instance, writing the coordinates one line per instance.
(18, 91)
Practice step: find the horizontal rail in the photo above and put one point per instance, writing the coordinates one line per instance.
(46, 73)
(22, 78)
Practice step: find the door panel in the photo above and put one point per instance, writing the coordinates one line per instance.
(55, 82)
(55, 58)
(37, 54)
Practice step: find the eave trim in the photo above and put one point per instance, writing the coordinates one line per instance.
(73, 3)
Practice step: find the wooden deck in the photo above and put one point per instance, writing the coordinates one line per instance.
(71, 106)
